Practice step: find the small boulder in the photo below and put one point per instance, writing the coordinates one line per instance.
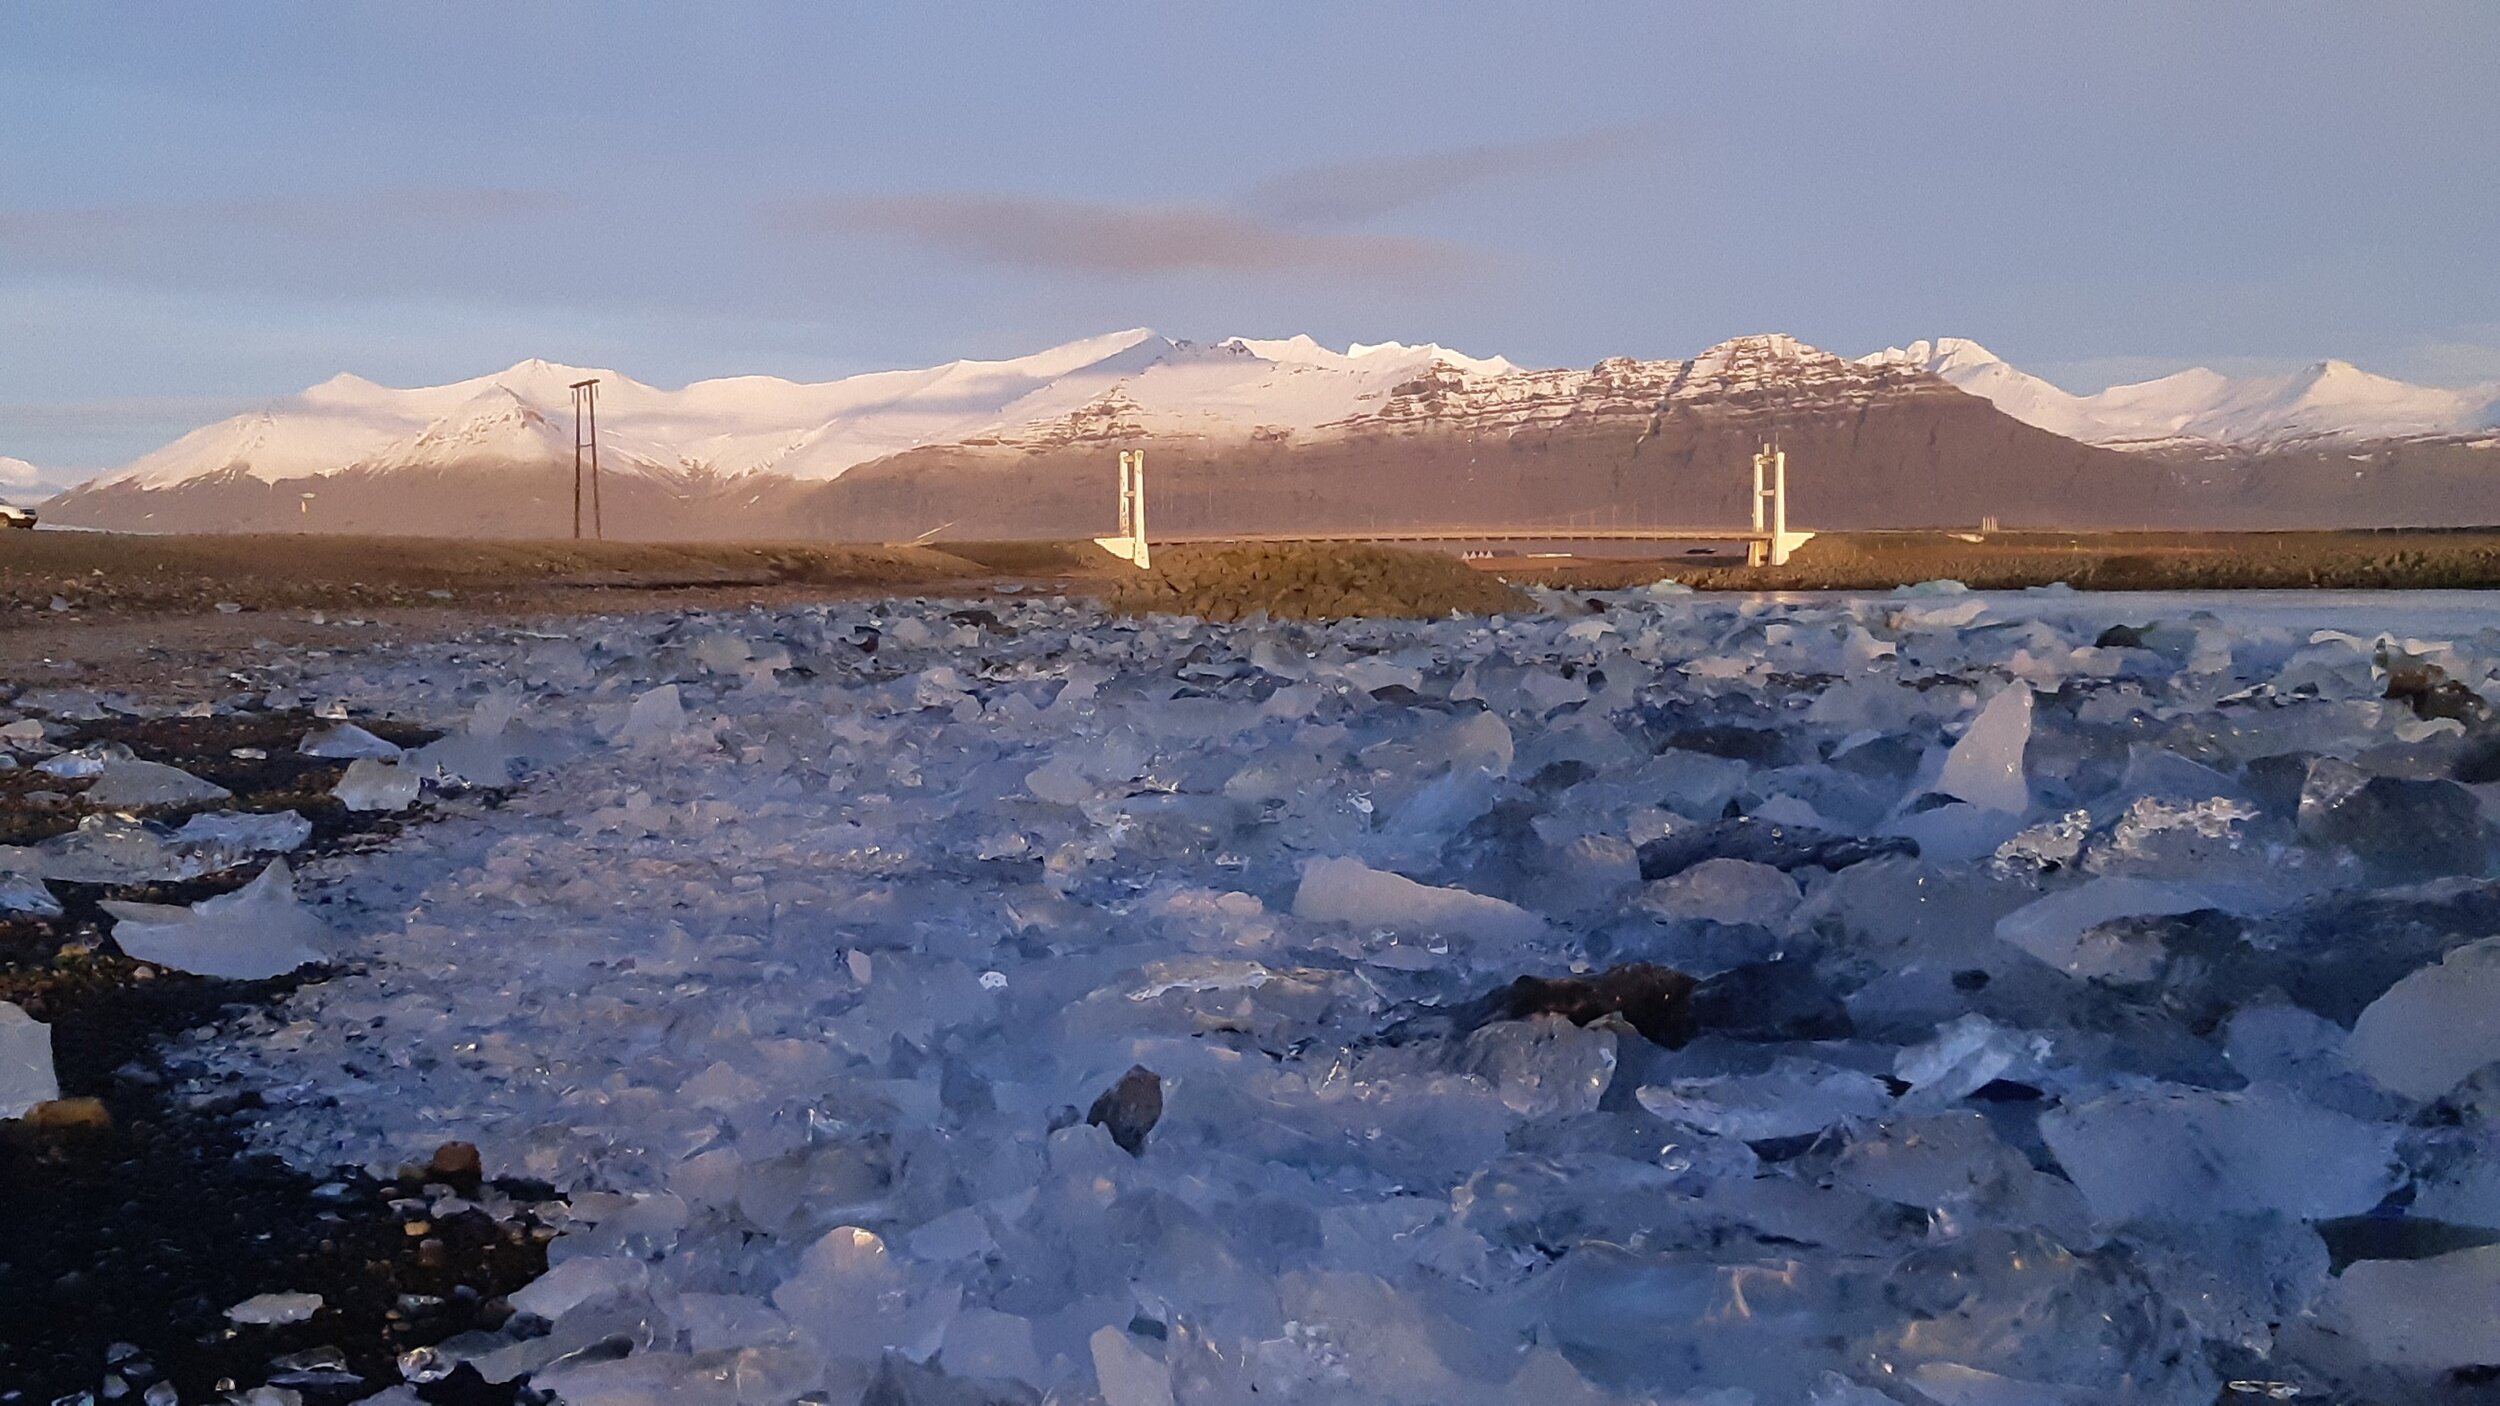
(1654, 1000)
(67, 1114)
(456, 1165)
(1129, 1109)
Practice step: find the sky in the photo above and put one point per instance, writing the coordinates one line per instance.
(205, 208)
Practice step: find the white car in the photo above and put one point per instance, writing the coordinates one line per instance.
(16, 517)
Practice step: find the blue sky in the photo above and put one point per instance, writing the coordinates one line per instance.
(206, 207)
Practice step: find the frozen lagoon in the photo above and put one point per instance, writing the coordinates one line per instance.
(810, 935)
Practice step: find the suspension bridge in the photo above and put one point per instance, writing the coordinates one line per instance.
(1768, 541)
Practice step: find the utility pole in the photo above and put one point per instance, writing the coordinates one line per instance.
(586, 436)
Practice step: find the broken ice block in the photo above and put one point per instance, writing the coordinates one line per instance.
(1130, 1376)
(855, 1302)
(1967, 1054)
(378, 785)
(1725, 891)
(2433, 1314)
(26, 1076)
(254, 932)
(25, 893)
(346, 741)
(245, 832)
(1985, 768)
(125, 785)
(1796, 1097)
(271, 1309)
(2061, 928)
(2434, 1027)
(2175, 1153)
(1349, 891)
(654, 718)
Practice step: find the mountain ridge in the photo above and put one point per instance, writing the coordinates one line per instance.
(741, 455)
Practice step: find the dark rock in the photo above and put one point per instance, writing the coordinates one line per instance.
(456, 1165)
(2121, 637)
(1654, 1000)
(1129, 1109)
(1765, 842)
(1560, 776)
(2429, 689)
(1781, 999)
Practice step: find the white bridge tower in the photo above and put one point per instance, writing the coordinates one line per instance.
(1130, 545)
(1772, 541)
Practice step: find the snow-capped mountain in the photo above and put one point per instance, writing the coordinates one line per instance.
(2330, 402)
(811, 432)
(1286, 434)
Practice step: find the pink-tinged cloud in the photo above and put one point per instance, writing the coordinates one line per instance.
(1103, 239)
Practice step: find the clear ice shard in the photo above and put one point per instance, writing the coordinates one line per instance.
(269, 1310)
(2431, 1314)
(2167, 1153)
(132, 784)
(2065, 928)
(1351, 892)
(257, 931)
(1128, 1374)
(372, 784)
(25, 893)
(26, 1076)
(346, 741)
(245, 832)
(1985, 768)
(2435, 1026)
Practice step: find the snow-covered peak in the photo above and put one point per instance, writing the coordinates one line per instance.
(1302, 350)
(2329, 401)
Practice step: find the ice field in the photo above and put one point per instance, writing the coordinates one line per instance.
(2077, 1014)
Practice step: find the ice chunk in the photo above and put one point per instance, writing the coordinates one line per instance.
(1349, 891)
(378, 785)
(2435, 1026)
(1725, 891)
(1543, 1065)
(85, 761)
(1985, 768)
(1797, 1096)
(2432, 1314)
(653, 719)
(25, 893)
(854, 1301)
(1967, 1054)
(574, 1282)
(254, 932)
(126, 785)
(1130, 1376)
(245, 832)
(346, 741)
(2061, 928)
(26, 1076)
(2171, 1153)
(272, 1309)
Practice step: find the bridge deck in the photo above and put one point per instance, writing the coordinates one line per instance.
(1480, 534)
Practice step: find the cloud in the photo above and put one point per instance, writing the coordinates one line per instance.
(1344, 192)
(1109, 239)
